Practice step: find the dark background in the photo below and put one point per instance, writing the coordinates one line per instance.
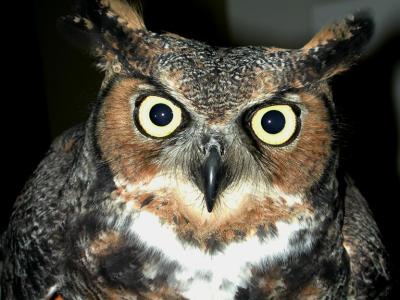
(48, 86)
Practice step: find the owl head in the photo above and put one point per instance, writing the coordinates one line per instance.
(193, 131)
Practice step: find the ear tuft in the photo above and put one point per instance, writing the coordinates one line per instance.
(128, 15)
(335, 48)
(357, 28)
(102, 26)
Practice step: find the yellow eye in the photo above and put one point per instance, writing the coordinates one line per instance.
(158, 116)
(275, 124)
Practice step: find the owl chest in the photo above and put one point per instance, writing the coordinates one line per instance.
(192, 273)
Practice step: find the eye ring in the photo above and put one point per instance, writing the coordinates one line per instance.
(275, 124)
(158, 117)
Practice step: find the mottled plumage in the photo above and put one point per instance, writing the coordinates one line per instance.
(201, 173)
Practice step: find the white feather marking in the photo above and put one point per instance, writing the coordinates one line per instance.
(51, 291)
(233, 265)
(230, 199)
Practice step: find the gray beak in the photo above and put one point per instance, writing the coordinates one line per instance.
(212, 174)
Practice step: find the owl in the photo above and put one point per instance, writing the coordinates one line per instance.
(201, 173)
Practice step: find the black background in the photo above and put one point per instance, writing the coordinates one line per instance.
(363, 96)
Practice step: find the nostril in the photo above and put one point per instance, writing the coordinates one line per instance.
(204, 150)
(212, 142)
(204, 144)
(221, 149)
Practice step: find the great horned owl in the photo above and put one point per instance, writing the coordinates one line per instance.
(201, 173)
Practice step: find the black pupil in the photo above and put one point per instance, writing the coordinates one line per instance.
(273, 121)
(161, 114)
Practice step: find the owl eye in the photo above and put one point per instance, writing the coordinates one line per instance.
(158, 116)
(275, 124)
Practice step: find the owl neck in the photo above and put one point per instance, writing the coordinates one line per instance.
(96, 181)
(327, 197)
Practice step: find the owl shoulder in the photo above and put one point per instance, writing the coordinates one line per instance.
(363, 244)
(38, 216)
(42, 191)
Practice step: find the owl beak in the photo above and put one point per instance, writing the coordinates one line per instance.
(212, 173)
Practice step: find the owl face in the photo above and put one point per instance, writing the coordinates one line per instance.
(220, 122)
(217, 136)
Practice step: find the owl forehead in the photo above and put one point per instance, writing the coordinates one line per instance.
(223, 79)
(218, 81)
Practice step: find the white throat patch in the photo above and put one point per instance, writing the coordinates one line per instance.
(203, 275)
(222, 272)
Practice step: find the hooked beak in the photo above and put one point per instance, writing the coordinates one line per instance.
(212, 174)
